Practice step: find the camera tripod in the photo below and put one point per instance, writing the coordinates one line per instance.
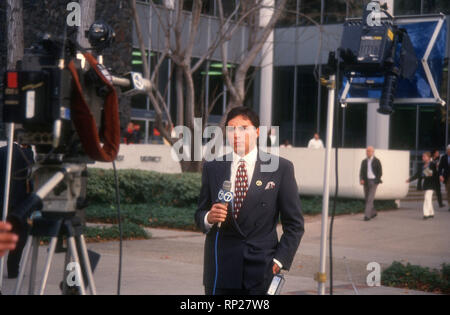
(56, 226)
(58, 194)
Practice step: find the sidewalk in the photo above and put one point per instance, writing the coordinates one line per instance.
(171, 262)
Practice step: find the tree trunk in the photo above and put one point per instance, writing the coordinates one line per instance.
(14, 17)
(87, 19)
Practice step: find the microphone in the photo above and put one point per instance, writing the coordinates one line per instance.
(225, 195)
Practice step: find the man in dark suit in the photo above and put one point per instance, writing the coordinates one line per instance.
(20, 188)
(444, 172)
(370, 177)
(247, 252)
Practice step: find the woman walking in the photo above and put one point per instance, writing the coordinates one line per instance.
(427, 176)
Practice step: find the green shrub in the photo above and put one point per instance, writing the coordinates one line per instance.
(149, 215)
(417, 278)
(313, 205)
(144, 187)
(131, 231)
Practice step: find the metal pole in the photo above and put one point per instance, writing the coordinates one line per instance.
(321, 276)
(10, 131)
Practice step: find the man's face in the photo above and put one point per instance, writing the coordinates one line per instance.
(369, 152)
(316, 136)
(448, 151)
(242, 135)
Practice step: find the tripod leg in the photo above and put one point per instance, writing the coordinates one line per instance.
(23, 265)
(34, 261)
(87, 264)
(73, 249)
(65, 287)
(48, 263)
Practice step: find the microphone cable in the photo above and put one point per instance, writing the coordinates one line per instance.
(216, 253)
(216, 261)
(116, 182)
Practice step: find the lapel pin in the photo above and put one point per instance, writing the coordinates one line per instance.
(270, 185)
(258, 183)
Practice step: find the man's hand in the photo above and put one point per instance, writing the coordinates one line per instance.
(7, 240)
(362, 182)
(275, 269)
(218, 213)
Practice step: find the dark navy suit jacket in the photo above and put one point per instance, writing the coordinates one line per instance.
(20, 186)
(248, 245)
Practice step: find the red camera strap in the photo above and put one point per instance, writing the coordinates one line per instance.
(85, 123)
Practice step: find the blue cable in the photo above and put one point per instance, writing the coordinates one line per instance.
(217, 267)
(215, 252)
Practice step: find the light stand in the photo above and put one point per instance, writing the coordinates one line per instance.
(321, 277)
(10, 131)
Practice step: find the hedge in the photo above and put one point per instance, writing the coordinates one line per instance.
(144, 187)
(145, 215)
(131, 231)
(313, 205)
(417, 278)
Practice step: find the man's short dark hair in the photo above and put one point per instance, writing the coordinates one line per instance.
(245, 112)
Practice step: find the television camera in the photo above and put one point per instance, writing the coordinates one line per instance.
(64, 102)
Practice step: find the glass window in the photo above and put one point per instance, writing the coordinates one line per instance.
(310, 8)
(335, 11)
(228, 7)
(208, 7)
(283, 99)
(436, 6)
(306, 107)
(403, 128)
(187, 5)
(289, 16)
(407, 7)
(356, 8)
(431, 127)
(355, 130)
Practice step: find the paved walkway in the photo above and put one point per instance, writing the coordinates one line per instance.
(171, 262)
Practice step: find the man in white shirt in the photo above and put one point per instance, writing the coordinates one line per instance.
(315, 143)
(243, 254)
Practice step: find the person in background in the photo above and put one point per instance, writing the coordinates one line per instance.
(315, 143)
(286, 144)
(128, 133)
(444, 172)
(427, 182)
(136, 135)
(436, 157)
(370, 177)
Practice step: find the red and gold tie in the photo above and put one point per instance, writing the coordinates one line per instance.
(240, 188)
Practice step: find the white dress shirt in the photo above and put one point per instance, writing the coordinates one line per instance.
(315, 144)
(250, 161)
(370, 173)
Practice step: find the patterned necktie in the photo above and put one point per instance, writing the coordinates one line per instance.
(240, 188)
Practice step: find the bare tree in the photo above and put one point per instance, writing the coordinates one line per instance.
(181, 34)
(14, 17)
(87, 18)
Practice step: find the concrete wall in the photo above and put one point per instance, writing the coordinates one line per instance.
(309, 168)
